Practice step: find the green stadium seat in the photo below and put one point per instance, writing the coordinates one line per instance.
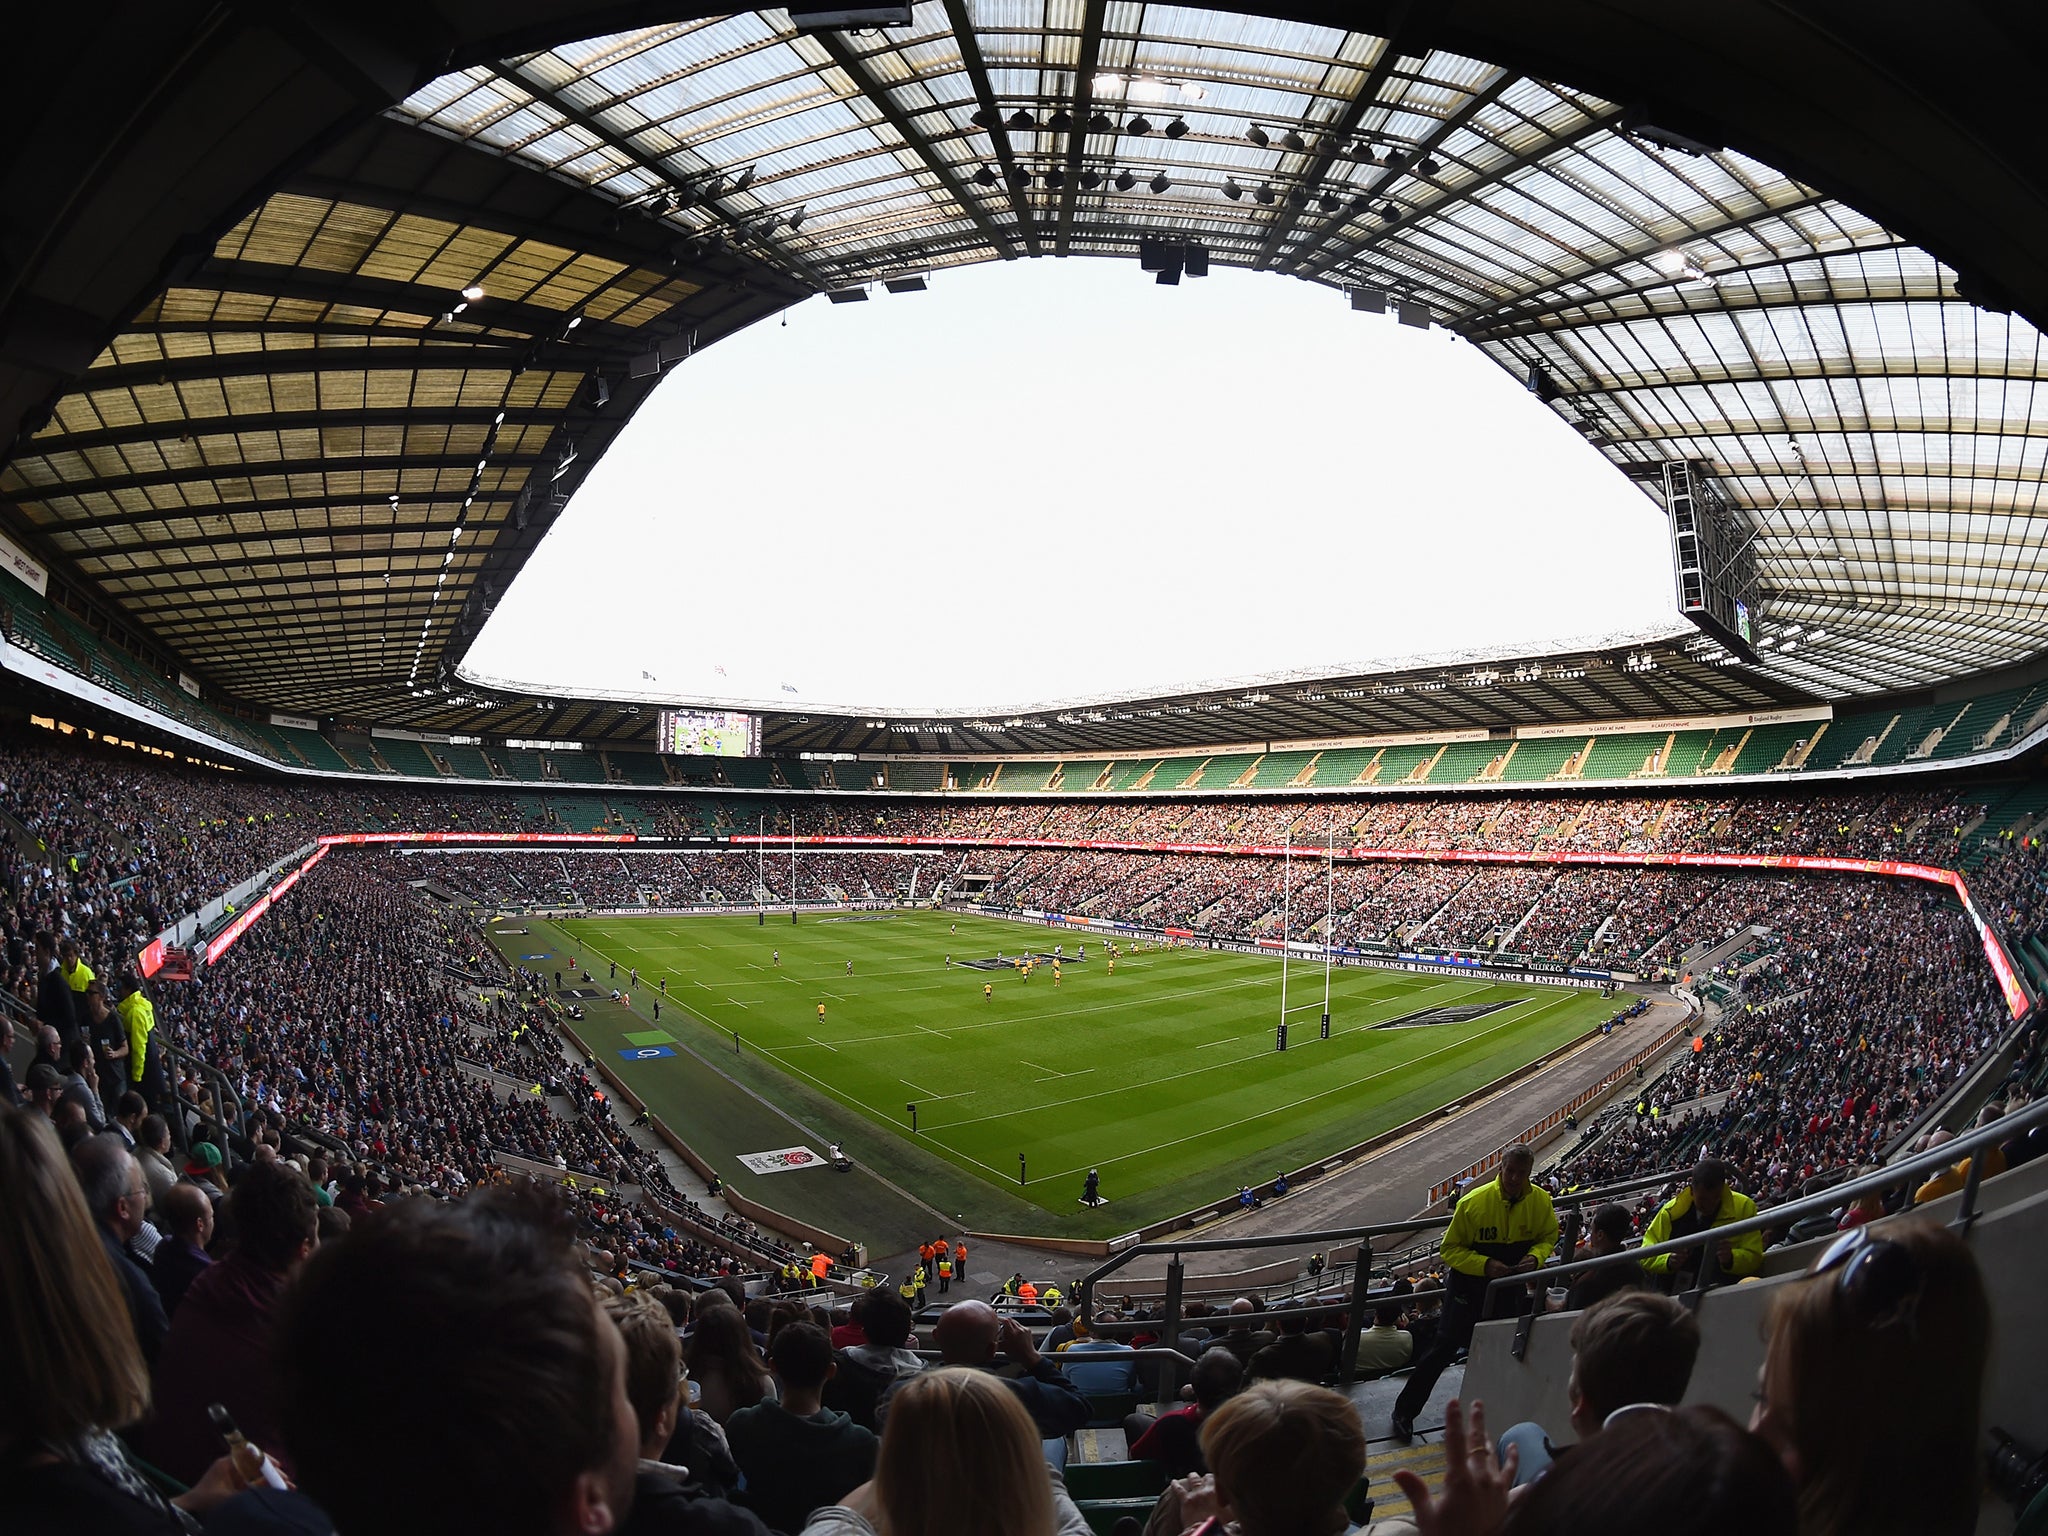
(1103, 1514)
(1108, 1410)
(1115, 1479)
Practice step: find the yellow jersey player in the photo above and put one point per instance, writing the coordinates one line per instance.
(1112, 965)
(821, 1013)
(988, 990)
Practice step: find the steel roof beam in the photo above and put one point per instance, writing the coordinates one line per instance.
(508, 357)
(32, 495)
(292, 421)
(72, 527)
(999, 136)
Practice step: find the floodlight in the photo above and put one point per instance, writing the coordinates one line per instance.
(796, 220)
(985, 177)
(1362, 153)
(1054, 177)
(987, 117)
(1099, 123)
(1108, 83)
(1021, 121)
(1294, 141)
(1138, 126)
(1189, 91)
(1125, 181)
(847, 295)
(1090, 180)
(473, 293)
(1020, 178)
(1177, 129)
(1159, 184)
(1427, 165)
(745, 179)
(914, 283)
(1393, 162)
(1232, 190)
(1257, 135)
(1059, 122)
(1264, 195)
(1370, 301)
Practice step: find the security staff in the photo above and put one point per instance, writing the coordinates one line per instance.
(1707, 1201)
(1504, 1227)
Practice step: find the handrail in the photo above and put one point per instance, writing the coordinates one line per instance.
(224, 1096)
(1931, 1161)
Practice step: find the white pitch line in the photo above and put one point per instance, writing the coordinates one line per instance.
(816, 1041)
(906, 1082)
(1231, 1041)
(736, 1002)
(1084, 1071)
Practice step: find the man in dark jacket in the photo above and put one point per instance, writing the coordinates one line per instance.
(187, 1217)
(56, 1003)
(970, 1334)
(117, 1195)
(218, 1350)
(797, 1454)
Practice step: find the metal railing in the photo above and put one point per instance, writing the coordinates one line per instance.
(1976, 1143)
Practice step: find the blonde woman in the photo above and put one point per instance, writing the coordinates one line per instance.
(959, 1453)
(69, 1359)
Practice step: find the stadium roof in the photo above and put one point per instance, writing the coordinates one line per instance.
(284, 445)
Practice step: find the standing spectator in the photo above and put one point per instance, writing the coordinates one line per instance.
(797, 1454)
(463, 1332)
(81, 1085)
(145, 1049)
(10, 1092)
(117, 1196)
(108, 1035)
(218, 1350)
(55, 1008)
(187, 1217)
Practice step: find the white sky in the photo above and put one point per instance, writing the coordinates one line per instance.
(1051, 479)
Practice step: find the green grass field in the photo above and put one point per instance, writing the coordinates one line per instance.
(1162, 1075)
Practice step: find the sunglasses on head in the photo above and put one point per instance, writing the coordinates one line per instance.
(1878, 1278)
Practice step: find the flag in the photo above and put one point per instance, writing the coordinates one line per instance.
(789, 688)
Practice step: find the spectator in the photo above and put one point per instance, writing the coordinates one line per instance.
(865, 1371)
(69, 1359)
(152, 1149)
(1241, 1338)
(1953, 1180)
(117, 1196)
(82, 1085)
(449, 1370)
(1300, 1353)
(1872, 1380)
(1631, 1351)
(10, 1091)
(726, 1364)
(1284, 1456)
(1174, 1439)
(218, 1349)
(1098, 1365)
(1385, 1346)
(968, 1335)
(56, 1007)
(1707, 1201)
(797, 1454)
(663, 1502)
(180, 1258)
(1611, 1230)
(959, 1453)
(1693, 1472)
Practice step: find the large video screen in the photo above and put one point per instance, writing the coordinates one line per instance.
(707, 733)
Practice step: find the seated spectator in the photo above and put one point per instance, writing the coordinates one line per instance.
(1706, 1201)
(82, 1084)
(1385, 1346)
(1300, 1353)
(1693, 1472)
(1062, 1331)
(69, 1360)
(1954, 1180)
(797, 1454)
(969, 1334)
(1097, 1363)
(1877, 1362)
(116, 1196)
(1611, 1230)
(1243, 1338)
(152, 1149)
(1174, 1439)
(663, 1502)
(867, 1370)
(960, 1453)
(726, 1363)
(1632, 1351)
(181, 1256)
(450, 1370)
(1283, 1457)
(218, 1350)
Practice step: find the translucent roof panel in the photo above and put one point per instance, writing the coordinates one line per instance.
(1680, 305)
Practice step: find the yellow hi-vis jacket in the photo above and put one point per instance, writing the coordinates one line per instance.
(1735, 1206)
(1485, 1226)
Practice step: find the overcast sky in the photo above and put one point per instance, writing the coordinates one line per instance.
(1044, 480)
